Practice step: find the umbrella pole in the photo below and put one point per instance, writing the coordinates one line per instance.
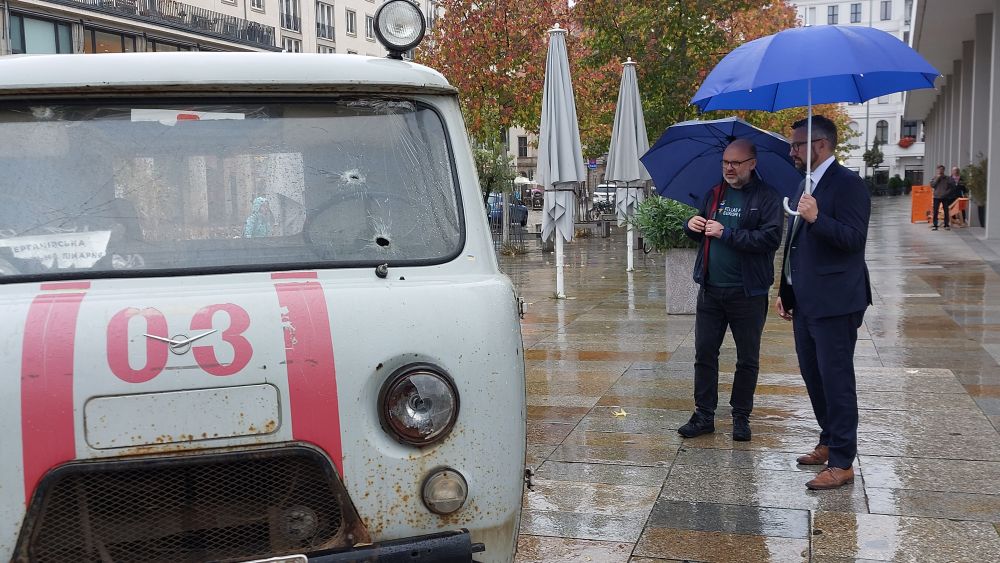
(560, 293)
(809, 147)
(630, 247)
(809, 136)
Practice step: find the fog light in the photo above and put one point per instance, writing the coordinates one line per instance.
(445, 491)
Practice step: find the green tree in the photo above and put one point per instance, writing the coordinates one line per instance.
(495, 168)
(873, 156)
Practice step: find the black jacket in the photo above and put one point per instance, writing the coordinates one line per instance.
(756, 239)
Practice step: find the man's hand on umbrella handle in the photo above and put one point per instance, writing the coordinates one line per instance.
(787, 315)
(807, 208)
(697, 224)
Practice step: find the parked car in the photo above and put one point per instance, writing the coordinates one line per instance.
(239, 326)
(518, 211)
(604, 193)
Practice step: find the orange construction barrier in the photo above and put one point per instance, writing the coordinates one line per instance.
(958, 211)
(921, 199)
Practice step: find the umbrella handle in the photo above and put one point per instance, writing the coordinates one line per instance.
(789, 210)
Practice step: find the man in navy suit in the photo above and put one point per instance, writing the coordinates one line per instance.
(825, 285)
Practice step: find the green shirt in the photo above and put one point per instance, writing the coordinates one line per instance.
(724, 268)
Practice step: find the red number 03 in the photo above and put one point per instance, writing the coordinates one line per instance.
(157, 350)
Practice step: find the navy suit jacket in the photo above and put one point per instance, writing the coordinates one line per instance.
(827, 257)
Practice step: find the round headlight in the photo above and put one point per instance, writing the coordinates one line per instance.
(445, 491)
(399, 27)
(418, 405)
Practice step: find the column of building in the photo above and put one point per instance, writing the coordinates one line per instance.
(993, 178)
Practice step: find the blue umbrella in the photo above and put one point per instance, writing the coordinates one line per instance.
(807, 65)
(686, 161)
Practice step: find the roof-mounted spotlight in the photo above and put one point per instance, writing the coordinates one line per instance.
(399, 27)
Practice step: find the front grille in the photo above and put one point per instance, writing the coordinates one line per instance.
(231, 506)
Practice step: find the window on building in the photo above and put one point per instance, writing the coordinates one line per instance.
(325, 49)
(369, 28)
(290, 15)
(522, 147)
(350, 52)
(324, 21)
(811, 16)
(884, 99)
(882, 132)
(100, 41)
(907, 11)
(156, 46)
(291, 45)
(886, 13)
(32, 35)
(856, 12)
(351, 18)
(257, 5)
(909, 129)
(906, 37)
(831, 15)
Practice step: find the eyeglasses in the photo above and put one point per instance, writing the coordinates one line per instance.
(796, 145)
(734, 163)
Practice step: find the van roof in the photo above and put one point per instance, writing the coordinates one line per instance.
(207, 72)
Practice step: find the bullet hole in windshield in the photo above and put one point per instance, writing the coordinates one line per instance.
(382, 241)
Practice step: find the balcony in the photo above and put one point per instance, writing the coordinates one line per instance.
(185, 17)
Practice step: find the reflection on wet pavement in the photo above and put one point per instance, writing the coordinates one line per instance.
(626, 488)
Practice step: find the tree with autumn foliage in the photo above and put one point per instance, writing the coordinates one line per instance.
(676, 43)
(494, 53)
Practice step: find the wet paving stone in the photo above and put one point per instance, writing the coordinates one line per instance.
(895, 538)
(719, 547)
(628, 488)
(730, 518)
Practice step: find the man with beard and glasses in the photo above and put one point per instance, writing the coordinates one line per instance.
(739, 230)
(825, 287)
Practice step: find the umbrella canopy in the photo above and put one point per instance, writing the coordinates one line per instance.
(629, 140)
(828, 63)
(560, 156)
(686, 160)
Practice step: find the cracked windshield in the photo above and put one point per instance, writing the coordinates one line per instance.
(92, 189)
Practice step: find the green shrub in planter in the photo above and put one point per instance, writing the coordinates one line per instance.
(975, 180)
(661, 222)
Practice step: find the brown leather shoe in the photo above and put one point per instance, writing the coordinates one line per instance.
(819, 456)
(832, 478)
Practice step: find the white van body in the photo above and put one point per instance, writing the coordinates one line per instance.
(212, 267)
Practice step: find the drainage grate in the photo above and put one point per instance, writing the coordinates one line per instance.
(193, 508)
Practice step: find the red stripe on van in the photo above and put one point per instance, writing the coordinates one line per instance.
(47, 425)
(312, 381)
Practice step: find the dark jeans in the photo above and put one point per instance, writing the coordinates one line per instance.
(825, 348)
(719, 308)
(945, 205)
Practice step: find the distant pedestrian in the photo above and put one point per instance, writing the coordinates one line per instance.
(825, 285)
(739, 228)
(941, 185)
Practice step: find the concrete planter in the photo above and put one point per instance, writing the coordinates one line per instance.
(681, 291)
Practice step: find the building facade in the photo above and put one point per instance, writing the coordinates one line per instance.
(900, 140)
(962, 110)
(115, 26)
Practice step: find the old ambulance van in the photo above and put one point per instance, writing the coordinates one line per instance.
(251, 311)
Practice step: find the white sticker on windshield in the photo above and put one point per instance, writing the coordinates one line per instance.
(62, 250)
(172, 116)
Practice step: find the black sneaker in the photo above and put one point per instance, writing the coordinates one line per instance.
(741, 429)
(697, 426)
